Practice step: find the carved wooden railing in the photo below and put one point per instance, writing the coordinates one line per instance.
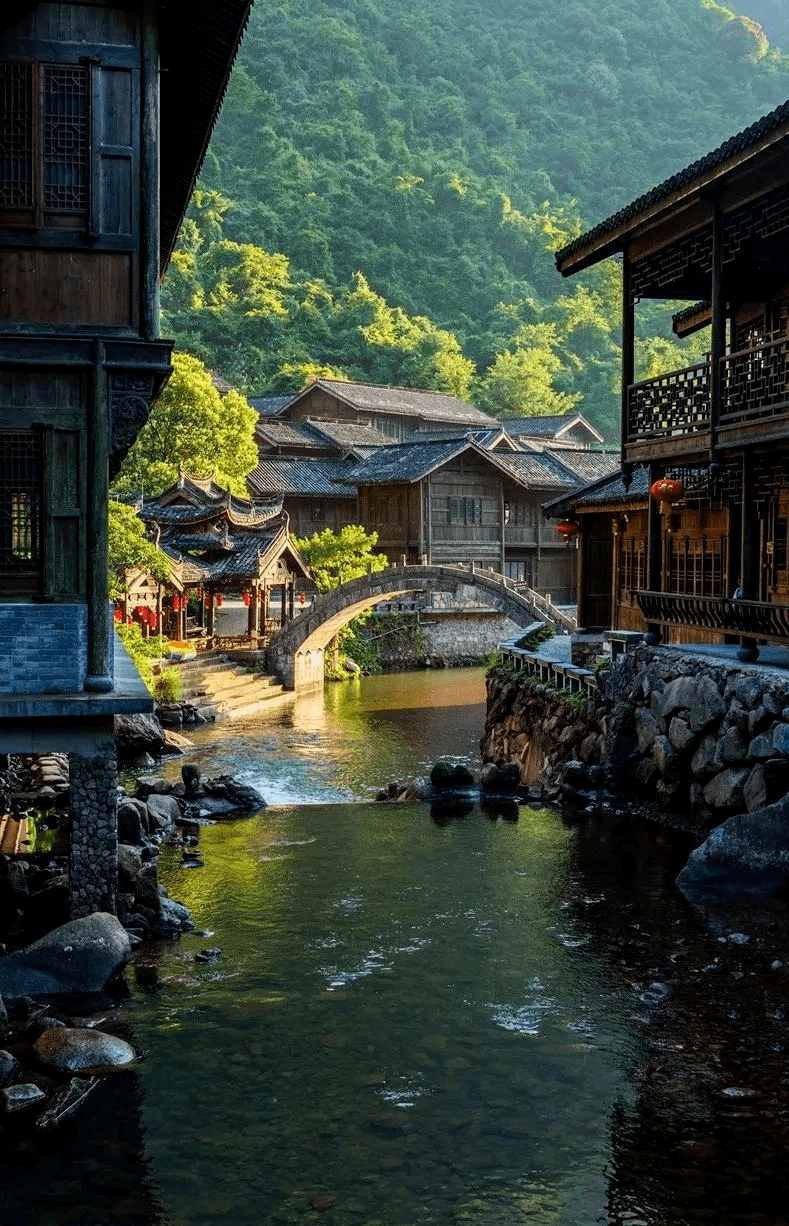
(755, 381)
(750, 618)
(672, 405)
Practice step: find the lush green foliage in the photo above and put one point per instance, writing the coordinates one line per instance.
(193, 427)
(129, 548)
(167, 686)
(402, 176)
(142, 650)
(336, 557)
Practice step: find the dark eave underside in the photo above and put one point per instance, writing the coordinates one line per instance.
(607, 237)
(199, 40)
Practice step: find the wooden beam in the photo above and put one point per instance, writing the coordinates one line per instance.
(149, 174)
(628, 348)
(98, 679)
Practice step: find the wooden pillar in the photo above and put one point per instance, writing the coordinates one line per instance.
(749, 543)
(617, 553)
(503, 528)
(429, 525)
(654, 566)
(149, 173)
(98, 679)
(211, 615)
(291, 599)
(718, 339)
(628, 346)
(580, 580)
(252, 612)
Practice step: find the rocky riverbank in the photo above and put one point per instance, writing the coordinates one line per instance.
(676, 737)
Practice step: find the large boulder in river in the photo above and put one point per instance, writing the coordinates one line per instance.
(224, 796)
(452, 775)
(81, 956)
(136, 735)
(68, 1050)
(748, 854)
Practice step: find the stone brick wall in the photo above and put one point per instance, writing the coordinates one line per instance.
(94, 832)
(43, 648)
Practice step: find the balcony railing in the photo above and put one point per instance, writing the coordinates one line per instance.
(749, 618)
(755, 382)
(672, 405)
(754, 385)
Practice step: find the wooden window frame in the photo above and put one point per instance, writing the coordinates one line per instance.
(41, 213)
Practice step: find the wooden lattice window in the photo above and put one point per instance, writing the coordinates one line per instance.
(44, 145)
(632, 566)
(20, 509)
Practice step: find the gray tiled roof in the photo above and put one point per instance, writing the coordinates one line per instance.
(307, 477)
(405, 462)
(545, 426)
(485, 438)
(537, 469)
(349, 434)
(268, 406)
(740, 143)
(281, 433)
(608, 491)
(587, 465)
(431, 406)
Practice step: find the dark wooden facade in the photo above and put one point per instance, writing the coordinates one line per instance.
(716, 234)
(92, 93)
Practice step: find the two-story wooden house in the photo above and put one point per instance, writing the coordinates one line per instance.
(714, 438)
(106, 111)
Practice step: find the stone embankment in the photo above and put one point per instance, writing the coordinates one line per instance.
(679, 737)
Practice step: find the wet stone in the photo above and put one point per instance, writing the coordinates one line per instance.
(18, 1097)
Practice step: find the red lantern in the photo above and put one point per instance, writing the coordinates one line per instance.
(141, 611)
(567, 529)
(219, 600)
(117, 616)
(302, 599)
(176, 604)
(129, 619)
(666, 491)
(199, 593)
(247, 598)
(152, 619)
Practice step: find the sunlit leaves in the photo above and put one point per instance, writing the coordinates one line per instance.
(336, 557)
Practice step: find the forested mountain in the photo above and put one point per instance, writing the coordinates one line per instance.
(400, 175)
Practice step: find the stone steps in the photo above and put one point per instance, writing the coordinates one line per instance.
(219, 688)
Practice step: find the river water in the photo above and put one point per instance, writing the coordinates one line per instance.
(427, 1018)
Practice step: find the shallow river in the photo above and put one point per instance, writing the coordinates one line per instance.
(427, 1019)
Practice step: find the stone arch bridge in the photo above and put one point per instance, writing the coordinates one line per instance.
(295, 654)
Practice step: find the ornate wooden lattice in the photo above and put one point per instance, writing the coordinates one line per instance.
(759, 219)
(20, 500)
(16, 136)
(674, 404)
(755, 381)
(65, 138)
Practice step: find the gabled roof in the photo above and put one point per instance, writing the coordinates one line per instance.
(607, 237)
(554, 426)
(405, 401)
(198, 42)
(411, 462)
(607, 491)
(195, 500)
(308, 478)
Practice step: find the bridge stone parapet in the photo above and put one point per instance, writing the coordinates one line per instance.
(296, 653)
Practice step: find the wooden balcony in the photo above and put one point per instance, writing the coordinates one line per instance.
(748, 618)
(670, 416)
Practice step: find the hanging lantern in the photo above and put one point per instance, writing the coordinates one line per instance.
(199, 593)
(152, 619)
(247, 598)
(141, 610)
(129, 619)
(117, 616)
(219, 600)
(567, 529)
(176, 604)
(667, 491)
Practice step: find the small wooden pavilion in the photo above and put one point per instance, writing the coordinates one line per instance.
(219, 546)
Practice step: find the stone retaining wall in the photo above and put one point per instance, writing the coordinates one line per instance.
(681, 735)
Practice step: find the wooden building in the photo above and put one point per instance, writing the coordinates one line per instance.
(395, 411)
(452, 500)
(717, 235)
(107, 108)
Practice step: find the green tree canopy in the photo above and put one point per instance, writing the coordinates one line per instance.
(193, 427)
(336, 557)
(129, 548)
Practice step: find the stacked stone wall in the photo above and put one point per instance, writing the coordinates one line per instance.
(678, 734)
(93, 852)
